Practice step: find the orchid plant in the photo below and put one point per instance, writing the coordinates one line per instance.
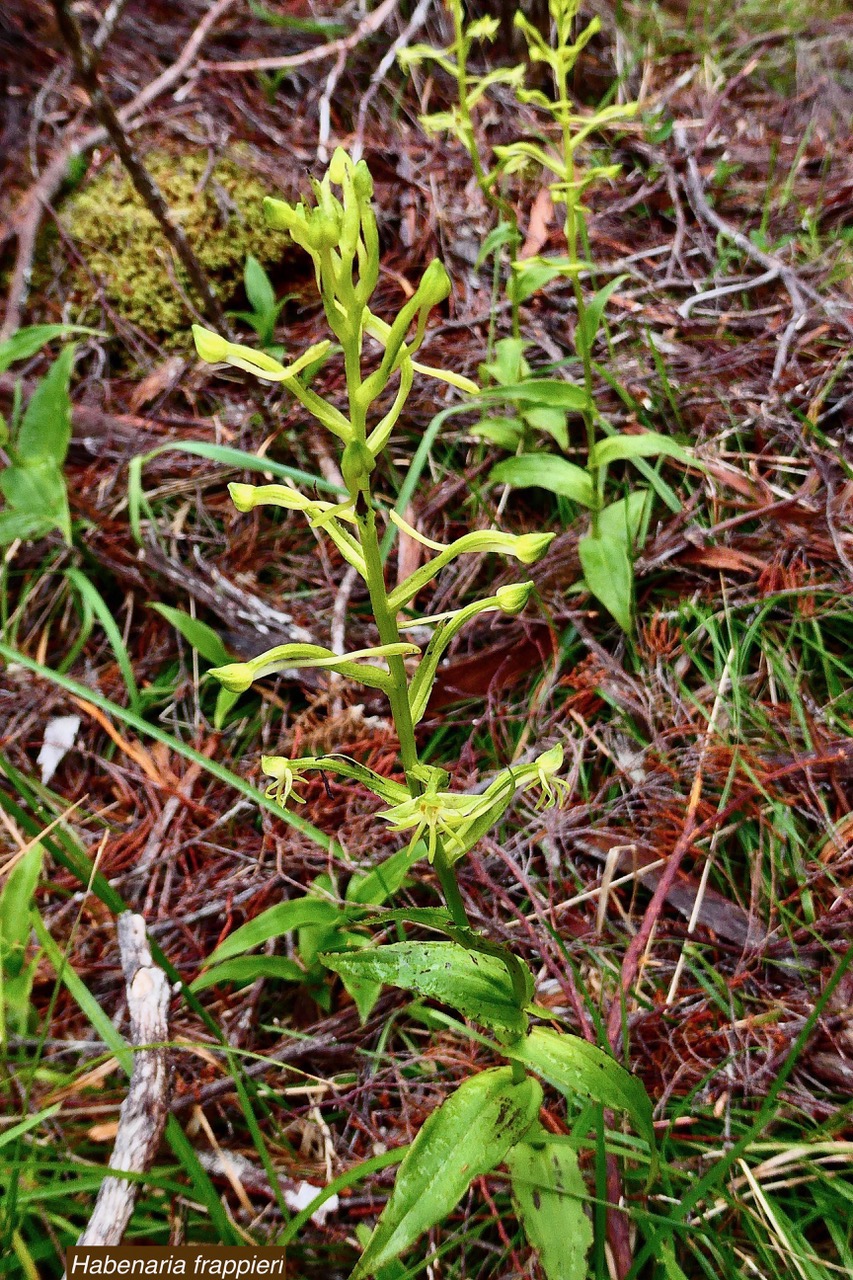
(536, 404)
(491, 1119)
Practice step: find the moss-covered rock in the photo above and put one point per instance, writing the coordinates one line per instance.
(220, 210)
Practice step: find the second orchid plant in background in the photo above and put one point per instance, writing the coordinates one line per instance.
(491, 1119)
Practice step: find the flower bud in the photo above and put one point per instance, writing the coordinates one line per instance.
(435, 284)
(356, 465)
(243, 496)
(530, 547)
(362, 181)
(512, 599)
(324, 229)
(282, 216)
(210, 346)
(236, 677)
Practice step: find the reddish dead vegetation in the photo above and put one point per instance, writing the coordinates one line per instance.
(772, 520)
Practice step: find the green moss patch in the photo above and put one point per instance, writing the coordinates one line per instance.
(220, 210)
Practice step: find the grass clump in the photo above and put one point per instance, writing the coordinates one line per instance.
(220, 209)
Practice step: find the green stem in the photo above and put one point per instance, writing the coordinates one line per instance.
(571, 233)
(502, 206)
(399, 699)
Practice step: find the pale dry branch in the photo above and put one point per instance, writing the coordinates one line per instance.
(334, 49)
(404, 39)
(144, 1110)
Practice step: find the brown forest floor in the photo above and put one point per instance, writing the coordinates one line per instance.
(755, 568)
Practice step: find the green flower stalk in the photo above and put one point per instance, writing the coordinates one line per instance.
(339, 233)
(491, 1117)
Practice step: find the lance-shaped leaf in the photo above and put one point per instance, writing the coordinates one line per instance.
(557, 475)
(623, 518)
(276, 921)
(476, 984)
(609, 574)
(383, 881)
(577, 1068)
(551, 393)
(466, 1137)
(548, 1193)
(526, 547)
(509, 599)
(239, 676)
(248, 969)
(650, 444)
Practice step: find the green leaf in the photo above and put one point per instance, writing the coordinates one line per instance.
(272, 923)
(577, 1068)
(545, 471)
(623, 518)
(394, 1270)
(466, 1137)
(589, 326)
(648, 445)
(504, 432)
(382, 882)
(553, 421)
(45, 431)
(37, 488)
(16, 525)
(500, 235)
(96, 605)
(26, 342)
(508, 365)
(37, 499)
(364, 991)
(15, 903)
(478, 985)
(609, 575)
(248, 969)
(15, 1131)
(437, 918)
(307, 26)
(225, 700)
(550, 393)
(531, 276)
(549, 1193)
(259, 291)
(196, 633)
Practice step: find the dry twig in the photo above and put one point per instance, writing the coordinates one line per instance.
(144, 1110)
(334, 49)
(24, 223)
(774, 267)
(85, 67)
(642, 938)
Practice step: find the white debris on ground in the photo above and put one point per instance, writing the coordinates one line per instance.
(303, 1195)
(59, 738)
